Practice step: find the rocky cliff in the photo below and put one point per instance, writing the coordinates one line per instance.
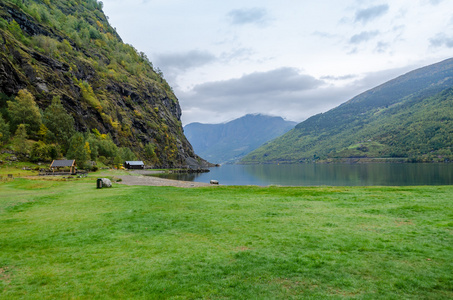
(68, 49)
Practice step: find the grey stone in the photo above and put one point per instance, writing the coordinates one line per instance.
(106, 182)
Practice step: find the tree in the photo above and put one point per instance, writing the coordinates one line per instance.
(79, 150)
(54, 151)
(40, 152)
(20, 140)
(25, 111)
(59, 123)
(107, 147)
(93, 141)
(15, 29)
(102, 146)
(4, 131)
(150, 153)
(126, 154)
(117, 162)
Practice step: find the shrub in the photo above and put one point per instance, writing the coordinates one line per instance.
(40, 152)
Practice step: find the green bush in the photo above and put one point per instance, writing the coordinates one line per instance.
(40, 152)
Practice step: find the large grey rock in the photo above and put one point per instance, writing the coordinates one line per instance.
(106, 182)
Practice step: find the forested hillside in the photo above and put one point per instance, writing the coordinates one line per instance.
(70, 87)
(409, 118)
(228, 142)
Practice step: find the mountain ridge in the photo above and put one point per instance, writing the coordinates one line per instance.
(341, 132)
(229, 141)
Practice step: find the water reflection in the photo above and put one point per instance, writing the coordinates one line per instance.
(327, 174)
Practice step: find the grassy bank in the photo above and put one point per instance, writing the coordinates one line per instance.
(65, 239)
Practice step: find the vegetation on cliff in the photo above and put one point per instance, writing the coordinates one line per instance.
(65, 59)
(409, 118)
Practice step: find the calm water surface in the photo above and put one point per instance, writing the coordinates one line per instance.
(386, 174)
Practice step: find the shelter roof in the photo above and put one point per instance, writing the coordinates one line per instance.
(62, 163)
(135, 163)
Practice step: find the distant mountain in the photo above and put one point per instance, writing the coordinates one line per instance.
(410, 117)
(228, 142)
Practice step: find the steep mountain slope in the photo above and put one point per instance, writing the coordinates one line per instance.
(408, 117)
(68, 49)
(228, 142)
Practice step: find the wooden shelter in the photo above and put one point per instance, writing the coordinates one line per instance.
(134, 164)
(63, 165)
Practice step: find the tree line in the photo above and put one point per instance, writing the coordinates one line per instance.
(36, 135)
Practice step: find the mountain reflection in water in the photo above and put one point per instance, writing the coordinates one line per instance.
(385, 174)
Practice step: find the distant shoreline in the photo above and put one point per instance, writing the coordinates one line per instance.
(352, 160)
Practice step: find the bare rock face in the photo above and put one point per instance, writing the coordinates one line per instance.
(10, 81)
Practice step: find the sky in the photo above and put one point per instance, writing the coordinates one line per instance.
(288, 58)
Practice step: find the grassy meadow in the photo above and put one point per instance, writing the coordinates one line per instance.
(68, 240)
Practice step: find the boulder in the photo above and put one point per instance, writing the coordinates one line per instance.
(106, 182)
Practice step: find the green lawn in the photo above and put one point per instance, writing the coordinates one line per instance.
(66, 240)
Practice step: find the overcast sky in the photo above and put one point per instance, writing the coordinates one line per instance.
(289, 58)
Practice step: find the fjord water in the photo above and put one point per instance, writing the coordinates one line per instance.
(384, 174)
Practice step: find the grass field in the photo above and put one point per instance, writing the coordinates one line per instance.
(68, 240)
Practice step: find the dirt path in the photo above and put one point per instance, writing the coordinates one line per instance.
(156, 181)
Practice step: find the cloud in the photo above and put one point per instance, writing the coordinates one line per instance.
(241, 54)
(291, 105)
(258, 83)
(435, 2)
(363, 37)
(184, 60)
(248, 16)
(371, 13)
(322, 34)
(442, 40)
(382, 47)
(282, 92)
(339, 78)
(373, 79)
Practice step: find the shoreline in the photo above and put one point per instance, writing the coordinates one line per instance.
(142, 179)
